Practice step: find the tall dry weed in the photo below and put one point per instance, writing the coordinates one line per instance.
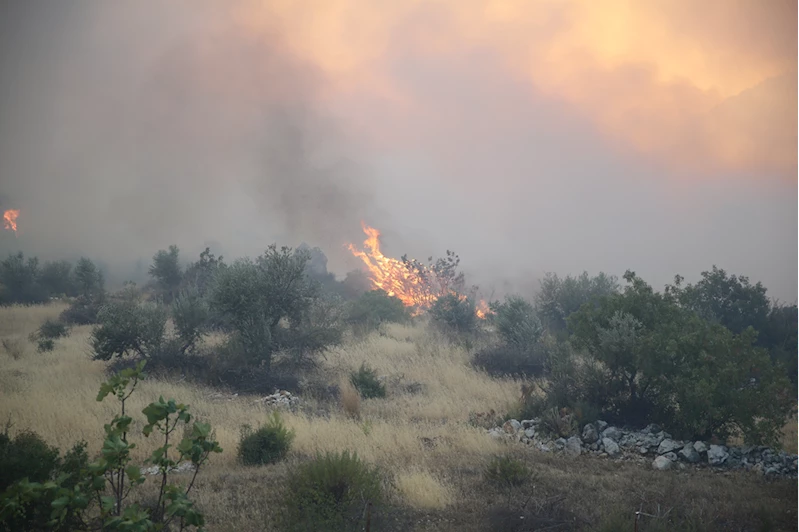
(350, 399)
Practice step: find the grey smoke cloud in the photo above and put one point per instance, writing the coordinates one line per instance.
(135, 125)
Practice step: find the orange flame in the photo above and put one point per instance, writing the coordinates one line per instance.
(396, 278)
(10, 219)
(482, 309)
(391, 275)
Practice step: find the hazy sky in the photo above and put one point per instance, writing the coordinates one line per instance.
(528, 136)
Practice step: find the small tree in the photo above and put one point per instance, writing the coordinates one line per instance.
(88, 278)
(167, 273)
(129, 328)
(191, 317)
(56, 277)
(200, 275)
(90, 287)
(254, 297)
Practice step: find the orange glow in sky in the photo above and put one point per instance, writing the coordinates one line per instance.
(692, 84)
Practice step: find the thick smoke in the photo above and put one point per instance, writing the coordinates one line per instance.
(131, 126)
(517, 135)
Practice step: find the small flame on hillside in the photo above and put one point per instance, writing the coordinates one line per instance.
(397, 279)
(10, 219)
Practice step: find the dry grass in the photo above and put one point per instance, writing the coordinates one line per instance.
(420, 435)
(350, 399)
(421, 489)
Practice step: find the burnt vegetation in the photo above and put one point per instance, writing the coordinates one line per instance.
(706, 360)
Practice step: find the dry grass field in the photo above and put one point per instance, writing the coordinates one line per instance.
(419, 435)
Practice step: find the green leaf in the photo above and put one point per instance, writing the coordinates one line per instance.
(201, 430)
(156, 412)
(133, 472)
(105, 389)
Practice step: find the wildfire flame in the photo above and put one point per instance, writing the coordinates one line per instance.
(10, 219)
(391, 275)
(482, 309)
(396, 278)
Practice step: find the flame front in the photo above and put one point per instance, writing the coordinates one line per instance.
(397, 279)
(392, 275)
(10, 219)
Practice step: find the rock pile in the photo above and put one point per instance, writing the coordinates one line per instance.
(183, 467)
(280, 398)
(600, 439)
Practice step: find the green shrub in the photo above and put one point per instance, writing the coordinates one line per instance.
(560, 298)
(46, 335)
(25, 455)
(375, 307)
(53, 329)
(129, 328)
(509, 360)
(506, 472)
(44, 345)
(454, 313)
(34, 514)
(517, 323)
(332, 493)
(366, 382)
(267, 445)
(649, 359)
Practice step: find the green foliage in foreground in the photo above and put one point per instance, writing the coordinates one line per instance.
(333, 492)
(96, 498)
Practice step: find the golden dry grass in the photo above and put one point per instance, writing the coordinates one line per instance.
(421, 489)
(420, 435)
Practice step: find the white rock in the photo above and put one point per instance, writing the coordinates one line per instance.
(700, 447)
(573, 447)
(661, 463)
(611, 432)
(717, 455)
(611, 447)
(668, 445)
